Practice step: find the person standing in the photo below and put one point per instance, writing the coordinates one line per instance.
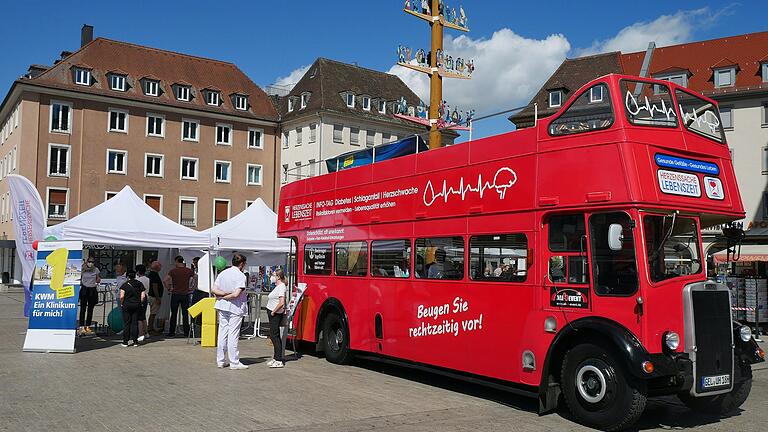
(155, 292)
(179, 278)
(229, 289)
(132, 294)
(141, 271)
(276, 311)
(89, 295)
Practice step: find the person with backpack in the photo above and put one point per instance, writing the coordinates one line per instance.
(132, 295)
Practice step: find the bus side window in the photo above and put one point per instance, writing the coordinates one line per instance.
(351, 258)
(317, 259)
(498, 257)
(391, 258)
(590, 112)
(440, 258)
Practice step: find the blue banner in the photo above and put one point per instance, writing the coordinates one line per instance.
(367, 156)
(684, 164)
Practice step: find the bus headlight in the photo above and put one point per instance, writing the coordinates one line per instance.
(672, 340)
(745, 333)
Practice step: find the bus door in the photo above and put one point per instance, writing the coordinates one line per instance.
(614, 269)
(566, 284)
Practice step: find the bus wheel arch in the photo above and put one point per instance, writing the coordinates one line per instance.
(332, 332)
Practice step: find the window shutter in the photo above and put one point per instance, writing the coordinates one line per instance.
(153, 202)
(57, 197)
(188, 210)
(220, 211)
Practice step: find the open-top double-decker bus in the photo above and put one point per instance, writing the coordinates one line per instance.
(560, 260)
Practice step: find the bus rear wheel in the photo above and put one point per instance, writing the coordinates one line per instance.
(598, 391)
(336, 340)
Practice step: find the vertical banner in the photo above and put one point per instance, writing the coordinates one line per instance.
(55, 294)
(28, 225)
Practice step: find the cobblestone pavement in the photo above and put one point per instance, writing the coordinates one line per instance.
(169, 385)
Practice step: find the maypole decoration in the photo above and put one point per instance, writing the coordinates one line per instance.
(438, 66)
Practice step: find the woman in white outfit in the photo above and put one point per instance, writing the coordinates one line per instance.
(229, 289)
(276, 310)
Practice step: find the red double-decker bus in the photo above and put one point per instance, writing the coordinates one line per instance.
(564, 259)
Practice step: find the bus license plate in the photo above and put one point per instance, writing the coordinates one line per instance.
(715, 381)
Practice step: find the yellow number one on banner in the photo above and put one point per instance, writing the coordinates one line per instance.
(208, 332)
(58, 262)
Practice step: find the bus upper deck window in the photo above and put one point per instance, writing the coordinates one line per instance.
(589, 112)
(700, 116)
(647, 104)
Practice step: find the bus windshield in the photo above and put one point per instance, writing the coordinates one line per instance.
(672, 246)
(700, 116)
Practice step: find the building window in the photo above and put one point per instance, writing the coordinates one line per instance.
(212, 98)
(188, 168)
(350, 100)
(222, 169)
(382, 106)
(764, 68)
(298, 136)
(61, 117)
(220, 211)
(109, 195)
(248, 203)
(255, 138)
(369, 138)
(241, 102)
(118, 120)
(312, 132)
(726, 116)
(153, 165)
(117, 82)
(285, 173)
(151, 87)
(385, 138)
(82, 76)
(354, 136)
(154, 201)
(253, 175)
(57, 203)
(555, 98)
(765, 115)
(58, 160)
(183, 93)
(223, 134)
(338, 133)
(304, 100)
(188, 211)
(117, 161)
(285, 140)
(290, 104)
(764, 160)
(312, 168)
(366, 103)
(189, 130)
(725, 77)
(596, 94)
(13, 159)
(297, 170)
(155, 125)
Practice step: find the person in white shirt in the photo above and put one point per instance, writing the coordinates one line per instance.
(229, 289)
(276, 310)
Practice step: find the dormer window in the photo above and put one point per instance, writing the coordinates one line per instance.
(350, 99)
(241, 102)
(725, 77)
(680, 78)
(212, 97)
(291, 102)
(382, 106)
(304, 100)
(555, 98)
(596, 94)
(151, 87)
(82, 76)
(117, 82)
(764, 68)
(183, 93)
(367, 103)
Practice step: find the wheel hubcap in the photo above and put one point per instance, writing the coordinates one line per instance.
(591, 383)
(336, 338)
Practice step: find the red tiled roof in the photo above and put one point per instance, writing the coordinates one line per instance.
(724, 63)
(105, 55)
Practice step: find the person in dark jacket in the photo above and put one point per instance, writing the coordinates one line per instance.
(132, 295)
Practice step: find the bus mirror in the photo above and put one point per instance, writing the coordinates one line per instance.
(615, 237)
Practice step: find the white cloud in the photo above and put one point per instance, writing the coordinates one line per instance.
(665, 30)
(509, 69)
(292, 78)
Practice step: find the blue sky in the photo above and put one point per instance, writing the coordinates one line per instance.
(517, 44)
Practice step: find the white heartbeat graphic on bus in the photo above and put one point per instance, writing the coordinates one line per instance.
(634, 107)
(504, 179)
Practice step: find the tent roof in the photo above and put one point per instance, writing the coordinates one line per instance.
(253, 229)
(126, 220)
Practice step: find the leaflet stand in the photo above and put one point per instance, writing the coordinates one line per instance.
(293, 305)
(254, 314)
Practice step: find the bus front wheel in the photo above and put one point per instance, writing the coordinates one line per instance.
(597, 389)
(336, 339)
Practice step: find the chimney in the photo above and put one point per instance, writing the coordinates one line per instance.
(86, 35)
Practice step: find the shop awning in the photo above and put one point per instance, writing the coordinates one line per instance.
(749, 253)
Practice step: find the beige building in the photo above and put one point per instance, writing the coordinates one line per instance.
(194, 136)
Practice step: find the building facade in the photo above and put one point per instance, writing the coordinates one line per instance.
(336, 108)
(732, 70)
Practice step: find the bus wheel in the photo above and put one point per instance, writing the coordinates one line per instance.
(724, 403)
(336, 340)
(598, 391)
